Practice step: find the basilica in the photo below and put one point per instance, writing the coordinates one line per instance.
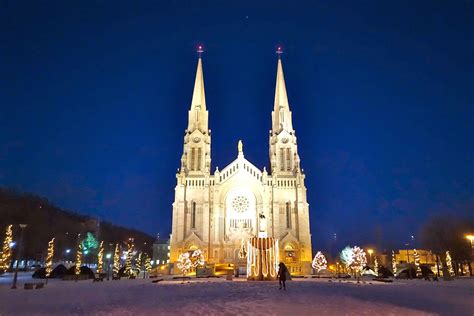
(219, 211)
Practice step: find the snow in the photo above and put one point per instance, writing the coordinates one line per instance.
(217, 296)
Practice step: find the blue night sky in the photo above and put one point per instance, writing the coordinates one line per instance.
(94, 99)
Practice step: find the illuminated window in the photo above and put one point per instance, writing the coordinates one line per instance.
(193, 214)
(288, 215)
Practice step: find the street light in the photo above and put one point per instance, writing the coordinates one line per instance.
(470, 238)
(108, 256)
(370, 251)
(18, 255)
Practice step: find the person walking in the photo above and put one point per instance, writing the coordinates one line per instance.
(282, 271)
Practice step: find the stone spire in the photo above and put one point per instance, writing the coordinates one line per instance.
(198, 115)
(284, 158)
(196, 158)
(281, 116)
(281, 98)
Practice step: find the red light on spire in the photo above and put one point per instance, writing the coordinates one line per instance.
(200, 49)
(279, 51)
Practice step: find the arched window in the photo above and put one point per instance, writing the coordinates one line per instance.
(193, 214)
(288, 215)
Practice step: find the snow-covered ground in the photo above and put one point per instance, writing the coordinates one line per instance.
(238, 297)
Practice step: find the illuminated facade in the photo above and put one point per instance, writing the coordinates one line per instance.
(219, 212)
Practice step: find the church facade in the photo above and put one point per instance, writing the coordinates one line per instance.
(218, 212)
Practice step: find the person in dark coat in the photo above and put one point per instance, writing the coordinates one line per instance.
(282, 271)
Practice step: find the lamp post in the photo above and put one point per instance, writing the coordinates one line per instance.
(18, 255)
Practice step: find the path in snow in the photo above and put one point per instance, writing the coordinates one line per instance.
(239, 297)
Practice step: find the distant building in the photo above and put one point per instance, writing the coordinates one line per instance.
(161, 252)
(408, 256)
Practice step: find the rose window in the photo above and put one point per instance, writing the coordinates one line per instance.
(240, 204)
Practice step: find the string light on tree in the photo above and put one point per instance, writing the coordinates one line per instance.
(139, 262)
(6, 257)
(359, 259)
(116, 264)
(449, 264)
(319, 262)
(346, 256)
(417, 262)
(376, 265)
(184, 263)
(148, 266)
(197, 258)
(394, 264)
(100, 258)
(78, 259)
(49, 258)
(128, 260)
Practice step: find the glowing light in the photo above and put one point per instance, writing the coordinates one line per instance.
(78, 259)
(370, 251)
(108, 256)
(6, 253)
(417, 262)
(12, 244)
(394, 264)
(319, 262)
(116, 264)
(68, 250)
(49, 258)
(262, 258)
(449, 264)
(128, 260)
(470, 238)
(100, 258)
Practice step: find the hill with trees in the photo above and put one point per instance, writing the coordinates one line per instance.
(45, 221)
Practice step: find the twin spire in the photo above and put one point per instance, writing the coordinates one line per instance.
(199, 95)
(198, 115)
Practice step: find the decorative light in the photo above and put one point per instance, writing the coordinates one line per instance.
(6, 255)
(319, 262)
(449, 264)
(376, 266)
(78, 259)
(417, 262)
(12, 244)
(100, 258)
(394, 264)
(116, 264)
(148, 264)
(262, 257)
(68, 250)
(139, 262)
(128, 260)
(49, 258)
(197, 258)
(184, 263)
(108, 256)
